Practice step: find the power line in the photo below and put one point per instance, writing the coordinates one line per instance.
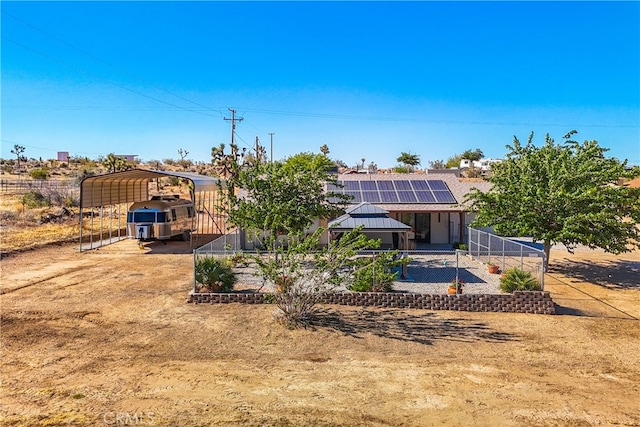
(44, 149)
(105, 80)
(100, 60)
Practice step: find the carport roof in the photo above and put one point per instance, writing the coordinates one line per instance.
(132, 186)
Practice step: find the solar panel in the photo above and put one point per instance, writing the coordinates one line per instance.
(419, 185)
(388, 196)
(407, 197)
(392, 191)
(425, 197)
(368, 185)
(356, 196)
(351, 185)
(385, 185)
(437, 184)
(370, 196)
(332, 187)
(444, 197)
(402, 185)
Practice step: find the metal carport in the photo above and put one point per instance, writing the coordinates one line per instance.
(113, 190)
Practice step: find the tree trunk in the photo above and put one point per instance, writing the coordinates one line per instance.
(547, 251)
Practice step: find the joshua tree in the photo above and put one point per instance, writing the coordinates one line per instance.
(18, 150)
(437, 164)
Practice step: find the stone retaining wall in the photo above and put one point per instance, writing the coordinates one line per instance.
(536, 302)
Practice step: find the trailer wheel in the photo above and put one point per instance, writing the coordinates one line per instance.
(186, 235)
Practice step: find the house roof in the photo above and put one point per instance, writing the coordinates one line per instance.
(458, 187)
(634, 183)
(370, 217)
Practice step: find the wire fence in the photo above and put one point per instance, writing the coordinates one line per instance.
(20, 186)
(506, 253)
(427, 271)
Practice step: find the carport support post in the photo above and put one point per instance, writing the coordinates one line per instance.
(195, 287)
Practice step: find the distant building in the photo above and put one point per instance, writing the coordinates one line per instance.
(483, 164)
(63, 156)
(128, 157)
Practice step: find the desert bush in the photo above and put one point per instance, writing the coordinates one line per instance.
(7, 216)
(401, 169)
(215, 274)
(65, 198)
(84, 173)
(459, 245)
(376, 274)
(310, 273)
(35, 199)
(39, 173)
(515, 279)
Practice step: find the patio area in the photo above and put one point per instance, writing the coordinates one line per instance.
(429, 272)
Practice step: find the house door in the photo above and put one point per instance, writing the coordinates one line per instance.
(423, 227)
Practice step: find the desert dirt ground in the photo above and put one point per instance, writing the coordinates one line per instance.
(105, 337)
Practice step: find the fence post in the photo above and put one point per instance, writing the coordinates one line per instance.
(457, 266)
(195, 285)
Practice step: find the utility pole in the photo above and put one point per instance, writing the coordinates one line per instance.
(233, 123)
(271, 156)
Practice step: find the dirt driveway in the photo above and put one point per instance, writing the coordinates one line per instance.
(105, 338)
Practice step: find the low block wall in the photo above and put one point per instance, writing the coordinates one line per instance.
(519, 302)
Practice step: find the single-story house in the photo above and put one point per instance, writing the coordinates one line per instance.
(431, 204)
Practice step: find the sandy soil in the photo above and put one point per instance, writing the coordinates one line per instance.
(105, 338)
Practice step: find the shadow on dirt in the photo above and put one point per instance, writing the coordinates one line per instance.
(621, 274)
(399, 325)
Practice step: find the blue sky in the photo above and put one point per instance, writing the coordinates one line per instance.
(369, 79)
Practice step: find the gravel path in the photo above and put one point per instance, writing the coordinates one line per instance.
(427, 274)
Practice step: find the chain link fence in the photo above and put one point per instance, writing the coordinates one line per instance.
(428, 271)
(507, 253)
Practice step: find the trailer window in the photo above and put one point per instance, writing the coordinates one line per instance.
(143, 217)
(162, 217)
(173, 214)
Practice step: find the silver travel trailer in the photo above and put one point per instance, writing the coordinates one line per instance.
(161, 218)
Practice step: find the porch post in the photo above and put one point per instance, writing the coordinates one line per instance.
(406, 249)
(461, 231)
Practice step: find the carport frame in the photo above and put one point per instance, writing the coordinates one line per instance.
(126, 187)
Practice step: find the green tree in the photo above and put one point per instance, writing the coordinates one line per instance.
(473, 155)
(453, 161)
(18, 150)
(308, 161)
(409, 160)
(561, 193)
(324, 149)
(114, 163)
(281, 198)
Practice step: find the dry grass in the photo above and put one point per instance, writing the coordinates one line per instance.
(20, 228)
(31, 236)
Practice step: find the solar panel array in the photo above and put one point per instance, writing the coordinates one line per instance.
(432, 191)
